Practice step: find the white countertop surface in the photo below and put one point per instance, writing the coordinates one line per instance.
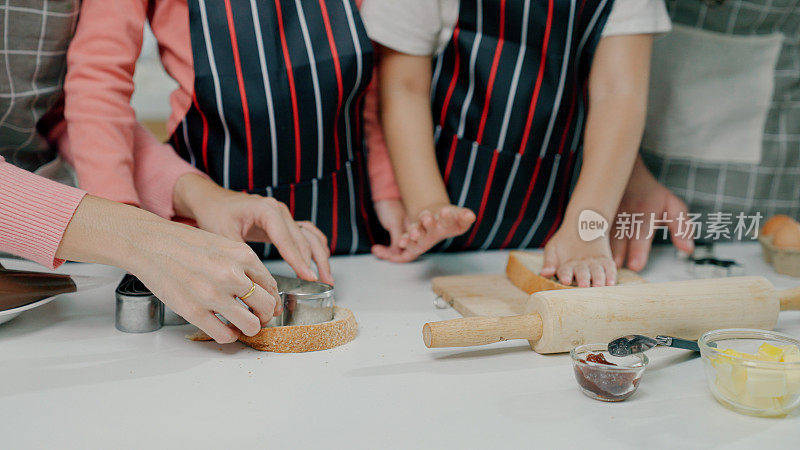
(69, 379)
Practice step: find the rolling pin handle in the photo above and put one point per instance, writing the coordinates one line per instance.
(790, 299)
(471, 331)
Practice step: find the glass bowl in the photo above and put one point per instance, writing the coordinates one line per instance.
(604, 382)
(745, 384)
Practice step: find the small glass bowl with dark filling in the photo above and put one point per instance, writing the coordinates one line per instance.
(604, 377)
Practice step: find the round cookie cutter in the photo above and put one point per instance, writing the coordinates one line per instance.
(304, 302)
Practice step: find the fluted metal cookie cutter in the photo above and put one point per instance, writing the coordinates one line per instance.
(139, 311)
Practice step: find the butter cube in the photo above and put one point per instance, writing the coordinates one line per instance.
(731, 377)
(743, 355)
(770, 352)
(766, 382)
(765, 403)
(791, 353)
(793, 381)
(733, 353)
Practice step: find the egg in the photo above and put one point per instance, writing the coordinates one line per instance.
(788, 236)
(775, 223)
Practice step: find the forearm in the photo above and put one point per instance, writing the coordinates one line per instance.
(408, 129)
(615, 124)
(106, 232)
(613, 134)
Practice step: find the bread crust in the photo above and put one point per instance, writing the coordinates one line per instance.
(528, 278)
(523, 270)
(302, 338)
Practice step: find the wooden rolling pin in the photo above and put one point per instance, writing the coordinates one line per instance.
(557, 321)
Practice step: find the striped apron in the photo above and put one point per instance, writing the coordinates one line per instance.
(510, 104)
(276, 111)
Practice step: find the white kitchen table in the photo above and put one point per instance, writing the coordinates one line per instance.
(69, 379)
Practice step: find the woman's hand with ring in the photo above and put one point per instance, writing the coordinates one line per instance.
(196, 273)
(199, 274)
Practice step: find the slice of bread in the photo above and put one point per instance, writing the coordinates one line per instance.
(300, 338)
(523, 270)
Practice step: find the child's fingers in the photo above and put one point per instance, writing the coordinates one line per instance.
(382, 252)
(583, 275)
(414, 232)
(404, 241)
(565, 274)
(403, 244)
(619, 247)
(427, 221)
(447, 219)
(465, 218)
(550, 263)
(392, 255)
(611, 272)
(598, 273)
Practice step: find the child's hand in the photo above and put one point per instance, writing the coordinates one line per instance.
(434, 225)
(392, 216)
(589, 263)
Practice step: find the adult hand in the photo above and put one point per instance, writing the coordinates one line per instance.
(243, 217)
(196, 273)
(644, 194)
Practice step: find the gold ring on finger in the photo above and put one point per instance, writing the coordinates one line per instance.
(249, 293)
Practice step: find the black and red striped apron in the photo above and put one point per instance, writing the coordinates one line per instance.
(277, 108)
(509, 100)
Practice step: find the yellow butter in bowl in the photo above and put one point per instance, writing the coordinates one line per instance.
(765, 382)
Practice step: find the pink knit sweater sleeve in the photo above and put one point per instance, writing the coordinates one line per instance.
(100, 120)
(34, 214)
(114, 156)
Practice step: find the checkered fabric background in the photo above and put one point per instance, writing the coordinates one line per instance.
(34, 35)
(773, 186)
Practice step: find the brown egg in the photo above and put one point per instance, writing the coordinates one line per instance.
(788, 236)
(775, 223)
